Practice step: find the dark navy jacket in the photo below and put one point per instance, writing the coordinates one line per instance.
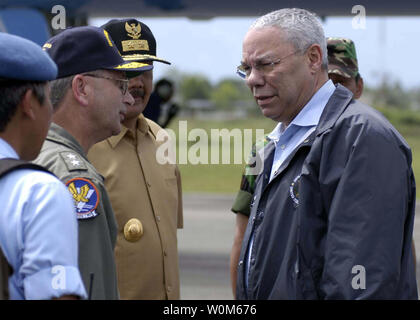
(336, 221)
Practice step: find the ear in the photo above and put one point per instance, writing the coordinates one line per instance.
(27, 104)
(359, 88)
(314, 55)
(81, 89)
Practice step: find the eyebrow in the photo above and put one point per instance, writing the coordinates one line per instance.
(261, 58)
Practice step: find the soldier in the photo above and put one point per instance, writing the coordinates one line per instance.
(343, 66)
(146, 196)
(38, 227)
(90, 98)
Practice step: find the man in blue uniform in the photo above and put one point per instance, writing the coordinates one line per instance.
(38, 227)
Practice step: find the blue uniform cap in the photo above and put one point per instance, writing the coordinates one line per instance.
(22, 59)
(83, 49)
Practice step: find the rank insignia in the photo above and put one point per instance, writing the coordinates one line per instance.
(73, 161)
(85, 196)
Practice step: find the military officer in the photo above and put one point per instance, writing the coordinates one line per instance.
(90, 99)
(145, 195)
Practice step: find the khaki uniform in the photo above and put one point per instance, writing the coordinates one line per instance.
(141, 189)
(63, 155)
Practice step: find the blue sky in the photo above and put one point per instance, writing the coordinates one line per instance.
(387, 45)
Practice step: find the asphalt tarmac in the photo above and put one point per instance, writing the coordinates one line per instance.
(204, 247)
(205, 243)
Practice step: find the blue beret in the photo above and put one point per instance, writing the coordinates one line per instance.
(22, 59)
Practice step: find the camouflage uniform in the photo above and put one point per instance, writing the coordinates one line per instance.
(244, 197)
(342, 59)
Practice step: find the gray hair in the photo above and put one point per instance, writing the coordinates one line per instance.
(59, 89)
(302, 29)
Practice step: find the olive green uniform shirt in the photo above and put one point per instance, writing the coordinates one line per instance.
(141, 188)
(63, 155)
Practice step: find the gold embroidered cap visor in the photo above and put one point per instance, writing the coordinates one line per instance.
(143, 57)
(133, 39)
(133, 69)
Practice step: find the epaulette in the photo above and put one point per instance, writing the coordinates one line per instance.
(73, 161)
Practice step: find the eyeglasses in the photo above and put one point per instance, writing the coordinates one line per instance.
(122, 83)
(244, 70)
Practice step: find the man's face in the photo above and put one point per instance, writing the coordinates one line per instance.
(281, 89)
(140, 88)
(111, 102)
(349, 83)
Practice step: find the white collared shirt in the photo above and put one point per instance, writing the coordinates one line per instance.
(287, 139)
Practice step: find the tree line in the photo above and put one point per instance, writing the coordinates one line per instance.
(233, 93)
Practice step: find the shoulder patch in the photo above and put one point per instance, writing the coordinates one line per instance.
(73, 161)
(85, 196)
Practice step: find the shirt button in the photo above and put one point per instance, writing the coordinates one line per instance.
(252, 261)
(148, 184)
(158, 218)
(169, 288)
(164, 253)
(241, 262)
(283, 146)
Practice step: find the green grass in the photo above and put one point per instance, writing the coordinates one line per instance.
(223, 178)
(219, 178)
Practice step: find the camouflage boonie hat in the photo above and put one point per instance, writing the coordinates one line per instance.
(342, 59)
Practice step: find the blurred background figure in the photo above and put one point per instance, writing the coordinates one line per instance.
(160, 109)
(342, 65)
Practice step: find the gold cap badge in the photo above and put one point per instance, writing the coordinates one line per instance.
(133, 230)
(133, 30)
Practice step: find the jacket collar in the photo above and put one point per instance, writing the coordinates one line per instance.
(336, 105)
(59, 135)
